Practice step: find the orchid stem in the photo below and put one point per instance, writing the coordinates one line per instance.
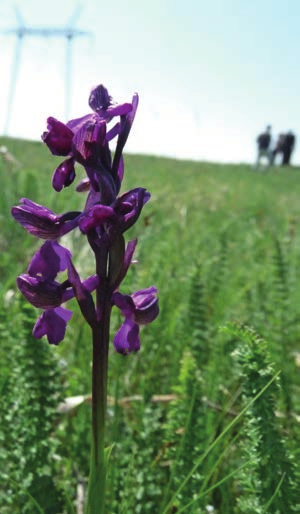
(100, 331)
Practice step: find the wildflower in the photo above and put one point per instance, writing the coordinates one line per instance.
(104, 219)
(118, 217)
(42, 290)
(85, 140)
(140, 308)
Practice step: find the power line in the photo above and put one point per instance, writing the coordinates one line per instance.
(69, 32)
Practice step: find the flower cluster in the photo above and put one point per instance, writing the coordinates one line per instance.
(104, 219)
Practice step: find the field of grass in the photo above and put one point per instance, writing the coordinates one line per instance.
(222, 245)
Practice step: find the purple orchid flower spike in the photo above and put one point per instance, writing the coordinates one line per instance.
(85, 140)
(140, 308)
(104, 219)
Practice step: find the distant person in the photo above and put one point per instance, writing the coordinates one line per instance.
(279, 146)
(263, 147)
(288, 147)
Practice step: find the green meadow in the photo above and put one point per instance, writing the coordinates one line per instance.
(206, 417)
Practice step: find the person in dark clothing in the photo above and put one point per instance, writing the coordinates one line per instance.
(288, 147)
(278, 149)
(263, 147)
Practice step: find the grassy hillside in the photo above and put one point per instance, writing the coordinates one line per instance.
(222, 244)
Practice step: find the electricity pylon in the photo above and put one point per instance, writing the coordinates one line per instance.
(22, 30)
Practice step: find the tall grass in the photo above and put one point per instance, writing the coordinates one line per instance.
(222, 244)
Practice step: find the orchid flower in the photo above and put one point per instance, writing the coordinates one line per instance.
(103, 220)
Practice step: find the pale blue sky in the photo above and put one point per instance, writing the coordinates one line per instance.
(210, 74)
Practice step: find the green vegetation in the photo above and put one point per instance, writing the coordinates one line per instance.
(222, 244)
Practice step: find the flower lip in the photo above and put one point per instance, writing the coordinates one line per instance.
(127, 339)
(40, 293)
(52, 323)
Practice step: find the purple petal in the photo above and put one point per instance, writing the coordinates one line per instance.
(91, 283)
(63, 253)
(88, 142)
(140, 308)
(95, 217)
(146, 305)
(58, 138)
(84, 185)
(77, 123)
(116, 110)
(127, 338)
(125, 303)
(141, 298)
(135, 103)
(64, 174)
(126, 123)
(128, 207)
(37, 220)
(121, 169)
(102, 103)
(130, 249)
(52, 323)
(99, 98)
(41, 222)
(42, 294)
(49, 260)
(113, 132)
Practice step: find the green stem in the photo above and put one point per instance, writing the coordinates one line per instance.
(100, 332)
